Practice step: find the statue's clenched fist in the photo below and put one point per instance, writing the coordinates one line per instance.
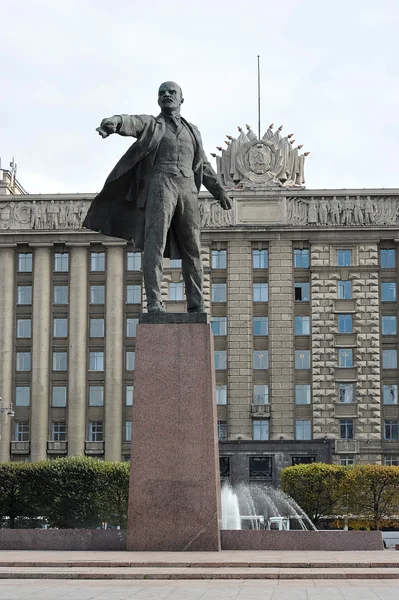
(109, 125)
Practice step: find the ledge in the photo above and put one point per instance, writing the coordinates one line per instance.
(159, 318)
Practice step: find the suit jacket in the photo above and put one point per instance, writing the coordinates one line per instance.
(118, 210)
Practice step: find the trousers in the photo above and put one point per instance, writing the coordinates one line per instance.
(172, 202)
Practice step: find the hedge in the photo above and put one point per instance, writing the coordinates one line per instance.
(66, 493)
(370, 491)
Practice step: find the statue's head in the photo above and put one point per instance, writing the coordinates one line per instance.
(170, 96)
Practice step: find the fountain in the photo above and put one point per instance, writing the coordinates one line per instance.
(261, 507)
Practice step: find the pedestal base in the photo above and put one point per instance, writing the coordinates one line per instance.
(174, 499)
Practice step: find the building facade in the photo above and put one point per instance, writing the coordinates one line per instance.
(301, 287)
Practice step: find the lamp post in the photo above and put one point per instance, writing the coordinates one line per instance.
(8, 411)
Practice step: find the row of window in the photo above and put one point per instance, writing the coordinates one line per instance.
(60, 360)
(59, 395)
(260, 260)
(58, 431)
(260, 292)
(303, 429)
(302, 394)
(260, 359)
(60, 327)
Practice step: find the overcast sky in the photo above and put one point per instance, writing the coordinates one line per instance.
(329, 73)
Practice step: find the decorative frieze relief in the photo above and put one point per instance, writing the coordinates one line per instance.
(342, 210)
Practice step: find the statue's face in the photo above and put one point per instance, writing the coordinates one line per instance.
(170, 96)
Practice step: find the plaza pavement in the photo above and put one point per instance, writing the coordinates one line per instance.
(227, 575)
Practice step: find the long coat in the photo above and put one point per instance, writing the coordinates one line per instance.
(119, 209)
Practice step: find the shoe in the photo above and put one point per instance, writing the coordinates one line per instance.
(155, 308)
(196, 309)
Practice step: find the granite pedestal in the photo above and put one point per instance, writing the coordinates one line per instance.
(174, 498)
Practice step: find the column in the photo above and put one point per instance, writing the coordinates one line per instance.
(77, 351)
(114, 353)
(281, 338)
(239, 344)
(6, 349)
(41, 359)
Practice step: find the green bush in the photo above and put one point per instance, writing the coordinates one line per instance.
(365, 491)
(68, 492)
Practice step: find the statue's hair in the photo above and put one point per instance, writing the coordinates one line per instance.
(174, 83)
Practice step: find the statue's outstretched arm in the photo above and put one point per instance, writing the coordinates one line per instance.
(127, 125)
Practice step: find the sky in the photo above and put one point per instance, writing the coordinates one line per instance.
(329, 73)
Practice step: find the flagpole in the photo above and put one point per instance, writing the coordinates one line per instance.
(258, 97)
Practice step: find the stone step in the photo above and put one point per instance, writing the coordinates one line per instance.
(192, 573)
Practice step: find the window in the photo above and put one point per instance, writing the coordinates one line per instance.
(133, 261)
(260, 359)
(346, 429)
(24, 294)
(345, 324)
(220, 360)
(347, 460)
(133, 294)
(25, 262)
(301, 258)
(224, 467)
(96, 431)
(260, 429)
(221, 395)
(344, 290)
(302, 325)
(344, 258)
(24, 328)
(129, 393)
(302, 359)
(60, 294)
(128, 431)
(388, 291)
(302, 393)
(346, 393)
(219, 259)
(260, 326)
(219, 325)
(97, 261)
(303, 460)
(260, 259)
(301, 291)
(97, 294)
(387, 258)
(176, 291)
(260, 467)
(131, 326)
(303, 430)
(97, 327)
(22, 395)
(390, 430)
(59, 361)
(96, 360)
(59, 396)
(392, 460)
(61, 262)
(60, 327)
(222, 431)
(96, 395)
(261, 394)
(175, 263)
(390, 394)
(58, 431)
(390, 359)
(388, 325)
(23, 361)
(130, 360)
(260, 292)
(219, 292)
(21, 431)
(345, 358)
